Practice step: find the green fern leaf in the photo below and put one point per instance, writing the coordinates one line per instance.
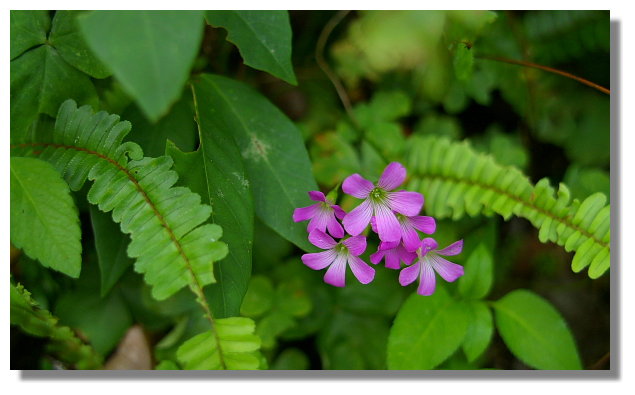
(171, 246)
(233, 345)
(456, 180)
(26, 314)
(44, 219)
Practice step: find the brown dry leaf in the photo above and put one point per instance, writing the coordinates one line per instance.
(133, 353)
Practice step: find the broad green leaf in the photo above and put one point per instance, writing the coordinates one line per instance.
(535, 332)
(276, 160)
(426, 331)
(215, 171)
(262, 37)
(178, 126)
(28, 29)
(44, 219)
(292, 298)
(111, 247)
(40, 81)
(103, 321)
(463, 62)
(238, 347)
(477, 281)
(149, 52)
(479, 330)
(66, 38)
(259, 297)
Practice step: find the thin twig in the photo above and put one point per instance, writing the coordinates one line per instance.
(548, 69)
(319, 57)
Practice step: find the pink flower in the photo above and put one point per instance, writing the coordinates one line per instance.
(393, 253)
(428, 262)
(322, 215)
(409, 227)
(337, 256)
(381, 203)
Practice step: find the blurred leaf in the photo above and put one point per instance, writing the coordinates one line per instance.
(373, 164)
(535, 332)
(479, 330)
(262, 37)
(477, 281)
(441, 125)
(387, 137)
(259, 297)
(463, 62)
(383, 296)
(291, 359)
(276, 160)
(585, 181)
(426, 331)
(351, 341)
(111, 245)
(102, 321)
(333, 158)
(384, 106)
(28, 29)
(271, 326)
(292, 298)
(44, 220)
(149, 52)
(166, 365)
(66, 38)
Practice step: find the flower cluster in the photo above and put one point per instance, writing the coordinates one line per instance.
(394, 216)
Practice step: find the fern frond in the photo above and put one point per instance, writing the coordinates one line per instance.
(171, 247)
(233, 346)
(456, 180)
(64, 344)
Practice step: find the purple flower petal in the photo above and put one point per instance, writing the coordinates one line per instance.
(317, 196)
(428, 244)
(336, 274)
(388, 227)
(361, 270)
(406, 256)
(377, 256)
(357, 186)
(453, 249)
(409, 274)
(356, 221)
(339, 213)
(392, 259)
(405, 202)
(319, 260)
(373, 224)
(424, 224)
(446, 269)
(393, 176)
(427, 280)
(321, 239)
(356, 245)
(334, 227)
(410, 237)
(318, 222)
(388, 245)
(304, 213)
